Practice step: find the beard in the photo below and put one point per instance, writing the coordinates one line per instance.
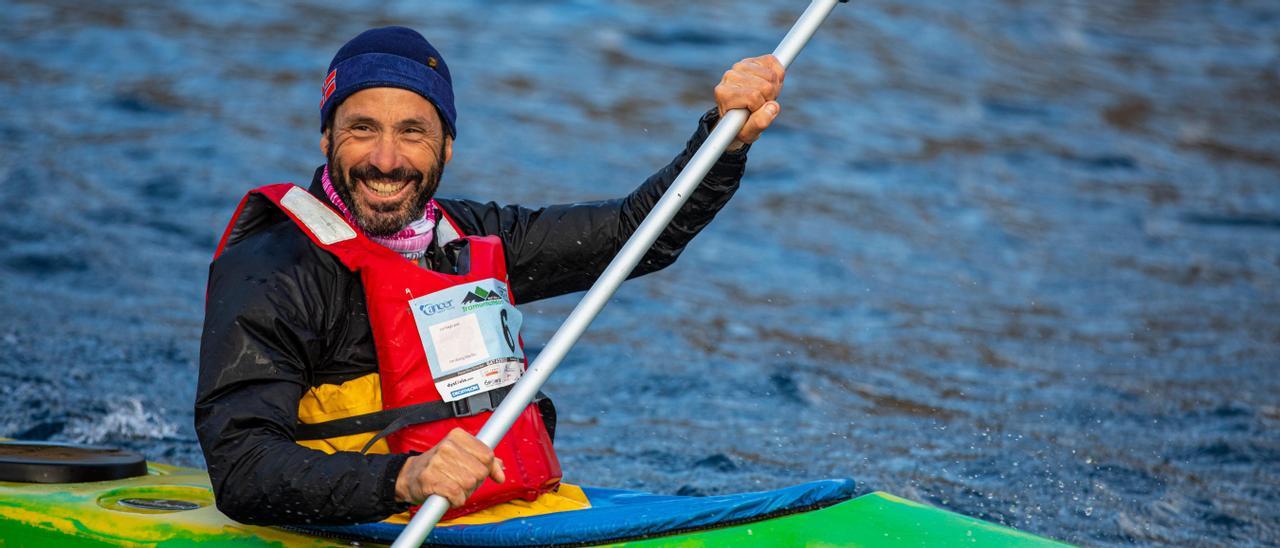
(386, 219)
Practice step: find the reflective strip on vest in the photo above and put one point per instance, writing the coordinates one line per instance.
(327, 226)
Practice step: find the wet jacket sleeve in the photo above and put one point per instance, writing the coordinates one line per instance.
(268, 312)
(563, 248)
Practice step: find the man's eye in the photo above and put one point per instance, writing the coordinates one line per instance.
(361, 127)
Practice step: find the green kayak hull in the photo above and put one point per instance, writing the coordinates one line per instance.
(173, 506)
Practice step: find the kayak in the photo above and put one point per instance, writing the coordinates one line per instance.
(174, 506)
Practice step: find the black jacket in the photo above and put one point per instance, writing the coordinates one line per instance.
(283, 315)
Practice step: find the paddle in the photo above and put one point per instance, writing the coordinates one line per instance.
(617, 271)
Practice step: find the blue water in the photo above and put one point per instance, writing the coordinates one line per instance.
(1020, 260)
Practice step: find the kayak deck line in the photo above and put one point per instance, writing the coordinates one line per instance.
(731, 523)
(621, 516)
(87, 514)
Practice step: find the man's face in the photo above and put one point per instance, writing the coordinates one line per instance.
(386, 149)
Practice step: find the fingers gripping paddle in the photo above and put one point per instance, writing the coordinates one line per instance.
(617, 271)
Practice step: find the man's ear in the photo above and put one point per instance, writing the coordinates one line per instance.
(324, 142)
(448, 149)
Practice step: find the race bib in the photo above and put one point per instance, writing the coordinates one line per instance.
(471, 334)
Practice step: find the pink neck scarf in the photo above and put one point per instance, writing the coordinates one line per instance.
(411, 242)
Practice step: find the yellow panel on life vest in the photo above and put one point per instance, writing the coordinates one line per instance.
(358, 396)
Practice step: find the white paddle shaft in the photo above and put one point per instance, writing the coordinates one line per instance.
(623, 263)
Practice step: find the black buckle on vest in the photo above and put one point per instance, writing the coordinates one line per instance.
(479, 403)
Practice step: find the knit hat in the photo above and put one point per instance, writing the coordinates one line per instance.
(394, 57)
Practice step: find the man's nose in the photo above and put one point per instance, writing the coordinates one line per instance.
(385, 156)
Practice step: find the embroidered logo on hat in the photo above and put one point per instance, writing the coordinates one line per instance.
(330, 84)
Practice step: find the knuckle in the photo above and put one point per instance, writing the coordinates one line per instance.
(478, 450)
(448, 488)
(429, 469)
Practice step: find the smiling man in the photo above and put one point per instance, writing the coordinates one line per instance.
(358, 332)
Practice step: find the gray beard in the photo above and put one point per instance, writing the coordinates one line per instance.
(386, 222)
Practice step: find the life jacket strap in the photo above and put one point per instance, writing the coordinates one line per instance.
(390, 421)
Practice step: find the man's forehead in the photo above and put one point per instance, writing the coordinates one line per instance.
(388, 104)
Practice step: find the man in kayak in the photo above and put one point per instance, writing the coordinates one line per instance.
(309, 409)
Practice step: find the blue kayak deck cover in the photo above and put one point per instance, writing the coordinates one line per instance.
(617, 515)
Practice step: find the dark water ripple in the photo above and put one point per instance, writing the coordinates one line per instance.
(1016, 259)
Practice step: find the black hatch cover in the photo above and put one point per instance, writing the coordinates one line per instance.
(47, 462)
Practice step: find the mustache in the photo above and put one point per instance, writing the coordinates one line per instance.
(370, 173)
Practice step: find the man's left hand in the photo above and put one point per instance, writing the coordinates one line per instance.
(753, 84)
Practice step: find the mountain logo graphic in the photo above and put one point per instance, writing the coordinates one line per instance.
(480, 295)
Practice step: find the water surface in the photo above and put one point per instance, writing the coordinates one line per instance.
(1016, 259)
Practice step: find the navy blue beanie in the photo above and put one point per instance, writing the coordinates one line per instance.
(394, 57)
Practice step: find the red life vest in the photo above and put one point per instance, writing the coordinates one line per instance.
(390, 282)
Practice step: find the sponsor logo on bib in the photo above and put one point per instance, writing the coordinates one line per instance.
(431, 309)
(480, 297)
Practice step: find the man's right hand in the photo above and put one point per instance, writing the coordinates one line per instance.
(453, 469)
